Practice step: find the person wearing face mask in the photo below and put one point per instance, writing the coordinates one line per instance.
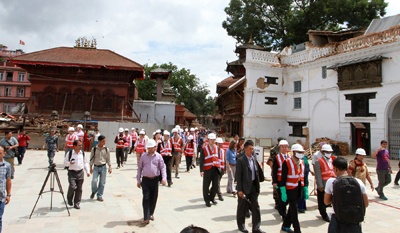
(292, 187)
(323, 171)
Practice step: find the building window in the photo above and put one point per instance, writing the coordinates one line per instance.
(49, 102)
(297, 86)
(1, 90)
(297, 129)
(1, 76)
(107, 104)
(324, 72)
(21, 92)
(360, 104)
(297, 103)
(9, 77)
(271, 100)
(6, 107)
(271, 80)
(21, 77)
(8, 91)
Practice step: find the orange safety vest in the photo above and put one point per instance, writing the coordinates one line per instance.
(119, 143)
(177, 144)
(134, 136)
(141, 145)
(166, 151)
(222, 159)
(80, 135)
(326, 170)
(128, 139)
(280, 160)
(293, 176)
(70, 140)
(210, 157)
(189, 150)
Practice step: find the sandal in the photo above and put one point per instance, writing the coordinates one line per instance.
(145, 222)
(151, 217)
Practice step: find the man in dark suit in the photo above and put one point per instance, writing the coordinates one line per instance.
(248, 176)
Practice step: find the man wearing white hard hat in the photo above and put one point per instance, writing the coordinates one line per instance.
(209, 170)
(79, 132)
(166, 149)
(134, 136)
(323, 171)
(150, 166)
(359, 169)
(177, 143)
(69, 140)
(292, 186)
(127, 145)
(119, 153)
(189, 152)
(222, 162)
(140, 146)
(277, 173)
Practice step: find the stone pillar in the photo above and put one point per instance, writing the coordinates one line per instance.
(159, 88)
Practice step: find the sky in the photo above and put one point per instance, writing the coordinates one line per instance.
(187, 33)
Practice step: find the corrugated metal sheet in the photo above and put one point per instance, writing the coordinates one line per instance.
(365, 59)
(379, 25)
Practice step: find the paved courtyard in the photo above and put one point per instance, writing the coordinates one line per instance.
(177, 207)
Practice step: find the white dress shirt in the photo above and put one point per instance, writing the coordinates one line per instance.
(80, 162)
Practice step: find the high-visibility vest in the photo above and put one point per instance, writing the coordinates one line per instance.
(70, 140)
(294, 175)
(120, 144)
(326, 170)
(80, 135)
(177, 144)
(280, 160)
(189, 150)
(210, 157)
(166, 151)
(128, 140)
(134, 136)
(222, 158)
(141, 145)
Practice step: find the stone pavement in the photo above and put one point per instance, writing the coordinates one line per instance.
(177, 207)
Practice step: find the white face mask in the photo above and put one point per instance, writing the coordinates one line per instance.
(299, 155)
(328, 156)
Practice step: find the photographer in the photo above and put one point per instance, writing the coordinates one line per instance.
(52, 145)
(23, 139)
(11, 144)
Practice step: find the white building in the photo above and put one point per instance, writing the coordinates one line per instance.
(328, 87)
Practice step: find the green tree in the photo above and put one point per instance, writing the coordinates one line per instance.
(275, 24)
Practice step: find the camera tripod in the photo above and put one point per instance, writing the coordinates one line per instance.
(53, 175)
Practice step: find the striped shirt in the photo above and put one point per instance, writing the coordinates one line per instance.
(5, 173)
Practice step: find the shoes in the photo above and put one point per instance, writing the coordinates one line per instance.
(214, 202)
(122, 164)
(188, 171)
(100, 199)
(151, 217)
(118, 167)
(76, 206)
(287, 229)
(243, 229)
(383, 198)
(169, 184)
(194, 166)
(396, 183)
(70, 203)
(220, 198)
(145, 222)
(326, 219)
(208, 204)
(177, 176)
(302, 211)
(92, 195)
(258, 231)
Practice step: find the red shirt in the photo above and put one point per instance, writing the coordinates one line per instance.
(22, 140)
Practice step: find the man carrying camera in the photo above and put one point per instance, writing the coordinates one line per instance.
(11, 144)
(52, 145)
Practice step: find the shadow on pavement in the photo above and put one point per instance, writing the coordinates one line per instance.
(313, 223)
(232, 231)
(113, 224)
(190, 207)
(196, 200)
(224, 218)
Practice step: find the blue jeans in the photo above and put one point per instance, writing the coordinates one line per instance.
(2, 204)
(102, 172)
(96, 143)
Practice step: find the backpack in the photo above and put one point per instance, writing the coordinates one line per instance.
(70, 155)
(348, 200)
(94, 152)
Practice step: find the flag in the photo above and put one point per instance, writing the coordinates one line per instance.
(21, 42)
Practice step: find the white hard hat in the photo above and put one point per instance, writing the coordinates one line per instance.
(80, 126)
(151, 143)
(212, 136)
(133, 129)
(126, 129)
(191, 129)
(178, 126)
(297, 147)
(166, 132)
(283, 142)
(71, 129)
(360, 151)
(174, 130)
(154, 133)
(196, 128)
(142, 132)
(186, 130)
(158, 131)
(219, 140)
(190, 137)
(326, 147)
(121, 130)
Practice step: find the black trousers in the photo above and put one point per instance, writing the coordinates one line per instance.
(281, 205)
(219, 183)
(243, 205)
(335, 226)
(189, 160)
(396, 180)
(321, 204)
(210, 176)
(119, 154)
(75, 179)
(167, 161)
(292, 214)
(150, 195)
